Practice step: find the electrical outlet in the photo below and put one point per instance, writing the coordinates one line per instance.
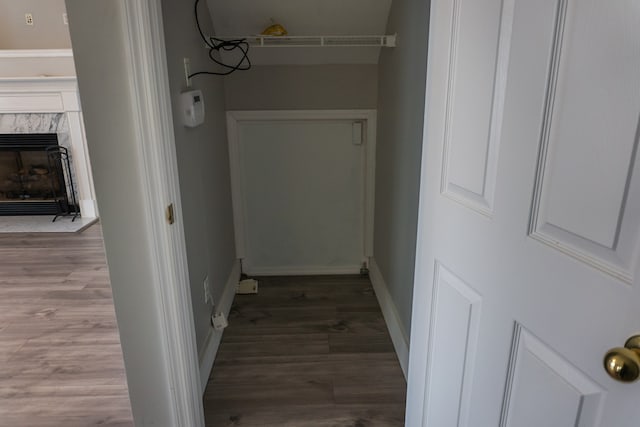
(28, 18)
(65, 19)
(207, 292)
(219, 321)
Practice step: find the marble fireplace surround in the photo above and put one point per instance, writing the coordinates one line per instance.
(51, 105)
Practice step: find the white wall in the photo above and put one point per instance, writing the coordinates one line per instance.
(203, 163)
(114, 151)
(400, 119)
(47, 32)
(302, 87)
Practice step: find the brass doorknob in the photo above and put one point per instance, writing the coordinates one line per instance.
(623, 363)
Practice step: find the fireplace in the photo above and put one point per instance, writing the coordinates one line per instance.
(35, 176)
(37, 105)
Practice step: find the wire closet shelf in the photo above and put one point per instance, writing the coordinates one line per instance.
(315, 41)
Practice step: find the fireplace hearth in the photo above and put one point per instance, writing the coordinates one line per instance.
(35, 176)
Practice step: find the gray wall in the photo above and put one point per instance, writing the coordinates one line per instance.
(310, 87)
(401, 92)
(101, 56)
(48, 31)
(203, 162)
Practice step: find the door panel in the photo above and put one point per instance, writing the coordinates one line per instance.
(455, 315)
(543, 389)
(589, 138)
(474, 107)
(302, 190)
(554, 261)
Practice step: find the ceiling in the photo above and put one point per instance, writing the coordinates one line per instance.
(304, 18)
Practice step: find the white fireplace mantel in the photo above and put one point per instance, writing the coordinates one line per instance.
(39, 95)
(27, 95)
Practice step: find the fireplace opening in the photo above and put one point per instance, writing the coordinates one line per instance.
(35, 176)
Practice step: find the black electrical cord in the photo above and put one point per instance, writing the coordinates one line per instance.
(216, 44)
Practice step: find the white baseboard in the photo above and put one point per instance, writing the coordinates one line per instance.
(212, 342)
(399, 336)
(301, 271)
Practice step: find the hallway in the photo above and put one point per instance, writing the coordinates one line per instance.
(306, 351)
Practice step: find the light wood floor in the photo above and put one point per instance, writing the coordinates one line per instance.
(306, 352)
(60, 355)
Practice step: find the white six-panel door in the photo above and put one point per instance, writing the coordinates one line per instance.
(527, 264)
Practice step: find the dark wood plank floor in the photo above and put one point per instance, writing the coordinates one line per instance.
(60, 356)
(306, 351)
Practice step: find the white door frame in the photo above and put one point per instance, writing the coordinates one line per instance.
(234, 118)
(423, 274)
(155, 132)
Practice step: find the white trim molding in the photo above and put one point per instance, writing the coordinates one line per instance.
(152, 108)
(399, 336)
(36, 53)
(211, 344)
(317, 270)
(369, 118)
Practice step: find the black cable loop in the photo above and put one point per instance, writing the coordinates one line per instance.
(216, 44)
